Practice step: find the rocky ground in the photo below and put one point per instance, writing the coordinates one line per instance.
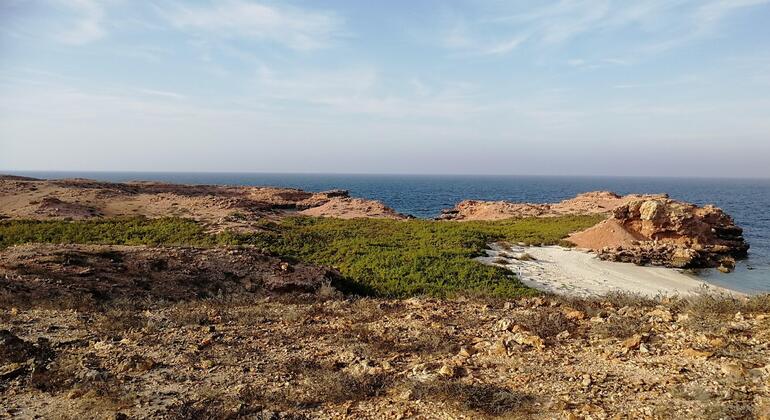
(89, 275)
(244, 348)
(221, 207)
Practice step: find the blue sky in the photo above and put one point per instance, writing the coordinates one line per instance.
(591, 87)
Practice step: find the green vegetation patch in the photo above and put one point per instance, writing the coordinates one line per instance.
(379, 257)
(118, 231)
(397, 258)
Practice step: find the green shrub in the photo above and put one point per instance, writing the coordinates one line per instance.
(380, 257)
(397, 258)
(118, 231)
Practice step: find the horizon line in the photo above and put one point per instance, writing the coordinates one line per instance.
(65, 171)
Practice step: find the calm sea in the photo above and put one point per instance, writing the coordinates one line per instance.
(747, 200)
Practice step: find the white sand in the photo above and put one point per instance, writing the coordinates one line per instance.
(580, 273)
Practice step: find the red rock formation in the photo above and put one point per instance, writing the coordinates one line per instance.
(595, 202)
(666, 232)
(220, 206)
(676, 234)
(643, 229)
(351, 208)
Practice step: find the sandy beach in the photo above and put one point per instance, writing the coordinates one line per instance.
(577, 272)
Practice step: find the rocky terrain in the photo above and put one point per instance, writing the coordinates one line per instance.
(91, 274)
(221, 207)
(668, 233)
(642, 229)
(596, 202)
(218, 348)
(350, 208)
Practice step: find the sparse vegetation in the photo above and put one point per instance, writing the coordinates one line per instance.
(483, 398)
(620, 327)
(258, 357)
(546, 323)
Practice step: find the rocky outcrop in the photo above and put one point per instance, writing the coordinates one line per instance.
(351, 208)
(643, 229)
(667, 232)
(596, 202)
(219, 206)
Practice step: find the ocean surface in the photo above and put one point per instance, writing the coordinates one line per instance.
(747, 200)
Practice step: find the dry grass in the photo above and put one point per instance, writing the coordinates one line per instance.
(546, 323)
(711, 305)
(114, 323)
(483, 398)
(83, 378)
(317, 386)
(620, 327)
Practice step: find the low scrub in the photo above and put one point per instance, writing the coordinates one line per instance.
(377, 257)
(118, 231)
(483, 398)
(396, 258)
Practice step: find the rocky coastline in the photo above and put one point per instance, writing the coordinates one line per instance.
(640, 229)
(96, 326)
(650, 229)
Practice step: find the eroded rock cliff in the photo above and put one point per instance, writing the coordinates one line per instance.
(670, 233)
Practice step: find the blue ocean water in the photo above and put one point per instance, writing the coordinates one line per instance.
(747, 200)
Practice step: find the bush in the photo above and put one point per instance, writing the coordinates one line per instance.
(546, 323)
(485, 398)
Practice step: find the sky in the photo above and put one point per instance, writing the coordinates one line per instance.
(567, 87)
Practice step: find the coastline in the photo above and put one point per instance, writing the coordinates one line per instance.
(576, 272)
(632, 222)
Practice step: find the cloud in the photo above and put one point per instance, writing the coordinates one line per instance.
(664, 24)
(88, 25)
(503, 47)
(293, 27)
(364, 91)
(161, 93)
(714, 11)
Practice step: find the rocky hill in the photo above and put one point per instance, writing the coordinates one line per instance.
(221, 207)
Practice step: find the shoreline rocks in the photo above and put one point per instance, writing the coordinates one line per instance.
(595, 202)
(675, 234)
(649, 229)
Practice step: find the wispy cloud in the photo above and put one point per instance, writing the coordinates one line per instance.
(293, 27)
(88, 25)
(701, 21)
(666, 24)
(503, 47)
(366, 92)
(161, 93)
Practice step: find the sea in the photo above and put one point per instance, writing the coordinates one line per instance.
(424, 196)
